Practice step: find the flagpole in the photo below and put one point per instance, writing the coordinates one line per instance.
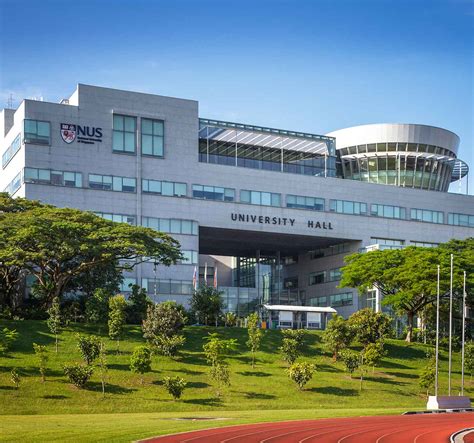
(463, 332)
(450, 326)
(437, 335)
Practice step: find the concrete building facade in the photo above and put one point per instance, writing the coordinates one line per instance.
(274, 211)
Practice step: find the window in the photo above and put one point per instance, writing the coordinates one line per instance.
(189, 257)
(425, 215)
(290, 282)
(50, 177)
(348, 207)
(152, 137)
(300, 202)
(388, 241)
(422, 244)
(331, 250)
(126, 282)
(461, 220)
(112, 183)
(334, 274)
(38, 132)
(316, 278)
(387, 211)
(171, 226)
(318, 301)
(118, 218)
(14, 185)
(260, 198)
(164, 188)
(167, 287)
(344, 299)
(11, 151)
(124, 134)
(214, 193)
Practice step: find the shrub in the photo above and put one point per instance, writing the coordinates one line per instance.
(140, 362)
(220, 375)
(42, 355)
(427, 377)
(351, 360)
(89, 347)
(175, 386)
(255, 335)
(15, 378)
(168, 346)
(301, 373)
(289, 350)
(54, 321)
(7, 338)
(230, 319)
(295, 334)
(373, 353)
(78, 374)
(337, 335)
(116, 323)
(165, 318)
(370, 326)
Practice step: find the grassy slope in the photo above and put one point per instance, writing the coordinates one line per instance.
(262, 390)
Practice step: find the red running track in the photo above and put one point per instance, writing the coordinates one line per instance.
(422, 428)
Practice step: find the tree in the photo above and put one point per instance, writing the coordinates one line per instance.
(138, 303)
(54, 320)
(255, 335)
(230, 319)
(369, 326)
(168, 346)
(42, 356)
(175, 386)
(469, 358)
(207, 304)
(102, 366)
(373, 353)
(428, 373)
(351, 360)
(301, 373)
(7, 338)
(292, 344)
(78, 374)
(337, 335)
(117, 306)
(165, 318)
(89, 347)
(406, 278)
(140, 362)
(15, 378)
(97, 306)
(215, 350)
(59, 245)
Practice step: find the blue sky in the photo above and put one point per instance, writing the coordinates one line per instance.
(313, 66)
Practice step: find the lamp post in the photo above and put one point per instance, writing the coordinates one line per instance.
(437, 335)
(463, 331)
(450, 326)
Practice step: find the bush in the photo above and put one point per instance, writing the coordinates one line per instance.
(140, 362)
(168, 346)
(351, 360)
(78, 374)
(301, 373)
(230, 319)
(220, 375)
(165, 318)
(370, 326)
(175, 386)
(337, 335)
(373, 353)
(89, 347)
(289, 350)
(295, 334)
(7, 338)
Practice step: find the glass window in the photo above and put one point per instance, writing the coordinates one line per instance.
(461, 220)
(317, 278)
(11, 151)
(108, 182)
(15, 184)
(348, 207)
(38, 132)
(124, 133)
(164, 188)
(189, 257)
(152, 137)
(171, 226)
(118, 218)
(57, 178)
(387, 211)
(213, 193)
(427, 216)
(260, 198)
(344, 299)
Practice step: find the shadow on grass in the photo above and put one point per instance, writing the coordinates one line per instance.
(55, 397)
(197, 384)
(254, 373)
(323, 367)
(401, 374)
(188, 371)
(333, 390)
(385, 380)
(119, 367)
(7, 388)
(109, 388)
(204, 401)
(257, 396)
(192, 359)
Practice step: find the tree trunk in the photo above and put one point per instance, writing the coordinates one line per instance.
(103, 388)
(56, 337)
(410, 316)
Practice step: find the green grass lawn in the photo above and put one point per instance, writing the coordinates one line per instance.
(260, 394)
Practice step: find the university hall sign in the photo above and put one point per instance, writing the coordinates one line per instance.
(278, 221)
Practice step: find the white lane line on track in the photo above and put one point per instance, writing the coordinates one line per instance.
(213, 435)
(358, 433)
(245, 435)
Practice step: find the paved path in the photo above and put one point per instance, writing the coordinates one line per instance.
(423, 428)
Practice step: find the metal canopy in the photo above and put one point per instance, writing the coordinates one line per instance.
(244, 134)
(321, 309)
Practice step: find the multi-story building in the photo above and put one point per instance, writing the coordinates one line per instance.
(273, 211)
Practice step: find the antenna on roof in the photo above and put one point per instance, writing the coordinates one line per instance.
(10, 101)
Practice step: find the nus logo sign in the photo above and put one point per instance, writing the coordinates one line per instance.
(83, 134)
